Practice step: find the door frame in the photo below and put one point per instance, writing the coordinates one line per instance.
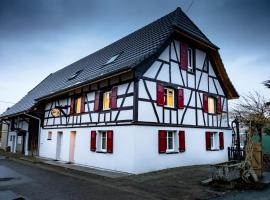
(59, 140)
(72, 146)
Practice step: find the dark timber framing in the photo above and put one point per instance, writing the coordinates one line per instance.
(111, 117)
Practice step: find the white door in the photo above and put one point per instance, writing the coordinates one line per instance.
(59, 145)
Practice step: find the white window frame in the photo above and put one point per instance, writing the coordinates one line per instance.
(210, 98)
(173, 149)
(107, 93)
(214, 139)
(190, 60)
(100, 140)
(166, 90)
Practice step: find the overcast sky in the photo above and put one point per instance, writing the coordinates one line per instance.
(39, 37)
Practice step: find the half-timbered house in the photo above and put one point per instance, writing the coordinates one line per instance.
(155, 99)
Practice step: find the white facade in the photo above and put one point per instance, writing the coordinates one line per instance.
(15, 141)
(138, 120)
(135, 149)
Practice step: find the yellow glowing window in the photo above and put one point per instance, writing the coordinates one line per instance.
(211, 105)
(169, 97)
(78, 102)
(106, 100)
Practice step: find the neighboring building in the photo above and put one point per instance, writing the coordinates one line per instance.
(3, 135)
(155, 99)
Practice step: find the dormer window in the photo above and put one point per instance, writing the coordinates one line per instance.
(74, 75)
(112, 59)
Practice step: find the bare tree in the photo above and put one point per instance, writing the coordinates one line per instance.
(267, 83)
(252, 111)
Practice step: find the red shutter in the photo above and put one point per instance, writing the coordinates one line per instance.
(113, 98)
(184, 56)
(182, 145)
(208, 140)
(82, 104)
(160, 94)
(72, 106)
(219, 105)
(97, 101)
(93, 141)
(205, 103)
(109, 141)
(162, 141)
(180, 98)
(221, 140)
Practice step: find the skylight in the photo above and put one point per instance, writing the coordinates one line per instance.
(74, 75)
(112, 59)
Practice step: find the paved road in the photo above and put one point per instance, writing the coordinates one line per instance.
(247, 195)
(20, 180)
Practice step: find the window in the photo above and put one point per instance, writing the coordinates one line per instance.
(106, 100)
(74, 75)
(78, 102)
(170, 141)
(49, 135)
(212, 105)
(214, 140)
(112, 59)
(77, 105)
(190, 60)
(103, 141)
(169, 97)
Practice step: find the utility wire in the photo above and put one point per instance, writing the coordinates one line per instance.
(190, 6)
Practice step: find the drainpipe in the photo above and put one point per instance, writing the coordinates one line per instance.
(39, 128)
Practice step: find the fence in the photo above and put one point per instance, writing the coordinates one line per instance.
(236, 154)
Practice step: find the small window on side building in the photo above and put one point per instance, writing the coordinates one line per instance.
(49, 135)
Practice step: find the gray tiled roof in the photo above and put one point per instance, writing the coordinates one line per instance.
(134, 48)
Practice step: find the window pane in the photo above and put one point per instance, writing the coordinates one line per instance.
(169, 140)
(212, 140)
(78, 105)
(165, 96)
(169, 97)
(211, 105)
(190, 61)
(103, 141)
(106, 100)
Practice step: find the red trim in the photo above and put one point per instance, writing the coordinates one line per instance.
(182, 145)
(113, 98)
(72, 103)
(162, 141)
(180, 98)
(82, 104)
(93, 141)
(160, 94)
(110, 141)
(205, 103)
(208, 140)
(219, 109)
(221, 140)
(97, 101)
(183, 56)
